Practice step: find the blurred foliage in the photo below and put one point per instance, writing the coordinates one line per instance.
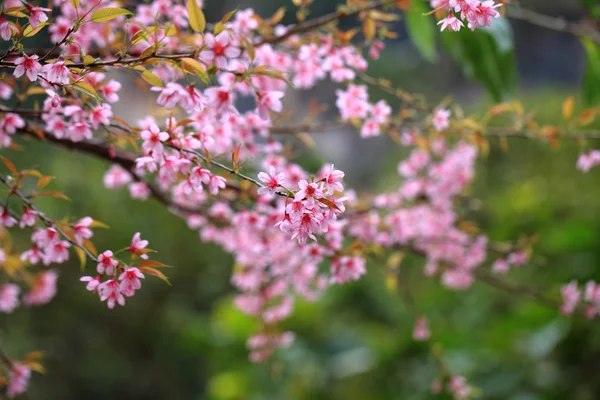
(187, 341)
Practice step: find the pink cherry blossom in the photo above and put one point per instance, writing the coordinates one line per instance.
(130, 281)
(441, 120)
(27, 65)
(92, 282)
(9, 297)
(138, 245)
(421, 330)
(272, 180)
(43, 289)
(106, 263)
(18, 380)
(451, 22)
(110, 292)
(269, 101)
(37, 15)
(57, 73)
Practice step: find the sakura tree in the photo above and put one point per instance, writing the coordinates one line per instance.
(226, 169)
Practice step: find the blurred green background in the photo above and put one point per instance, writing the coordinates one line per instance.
(186, 341)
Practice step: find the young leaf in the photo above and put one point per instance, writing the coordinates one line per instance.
(82, 257)
(194, 67)
(11, 167)
(106, 14)
(86, 88)
(196, 16)
(29, 31)
(567, 107)
(155, 272)
(152, 79)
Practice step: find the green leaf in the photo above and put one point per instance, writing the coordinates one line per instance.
(29, 31)
(421, 30)
(591, 79)
(152, 79)
(194, 67)
(592, 6)
(196, 16)
(82, 257)
(106, 14)
(86, 88)
(486, 55)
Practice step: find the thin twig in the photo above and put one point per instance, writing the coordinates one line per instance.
(580, 29)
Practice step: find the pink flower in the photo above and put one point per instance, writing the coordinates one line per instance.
(139, 190)
(588, 161)
(111, 293)
(218, 49)
(11, 122)
(33, 255)
(18, 380)
(57, 73)
(441, 120)
(100, 115)
(92, 282)
(215, 183)
(57, 252)
(106, 264)
(459, 388)
(6, 29)
(109, 91)
(421, 331)
(457, 279)
(43, 289)
(308, 191)
(271, 181)
(269, 101)
(138, 245)
(571, 297)
(116, 177)
(220, 99)
(27, 65)
(153, 139)
(333, 179)
(37, 15)
(346, 269)
(44, 237)
(500, 266)
(5, 218)
(82, 229)
(451, 22)
(130, 281)
(370, 129)
(9, 297)
(28, 218)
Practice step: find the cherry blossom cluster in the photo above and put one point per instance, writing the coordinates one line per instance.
(354, 103)
(474, 12)
(49, 246)
(456, 386)
(588, 160)
(18, 380)
(293, 234)
(121, 280)
(572, 296)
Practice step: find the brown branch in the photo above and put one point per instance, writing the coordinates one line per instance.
(324, 20)
(559, 24)
(498, 283)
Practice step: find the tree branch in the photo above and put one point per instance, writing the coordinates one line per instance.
(559, 24)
